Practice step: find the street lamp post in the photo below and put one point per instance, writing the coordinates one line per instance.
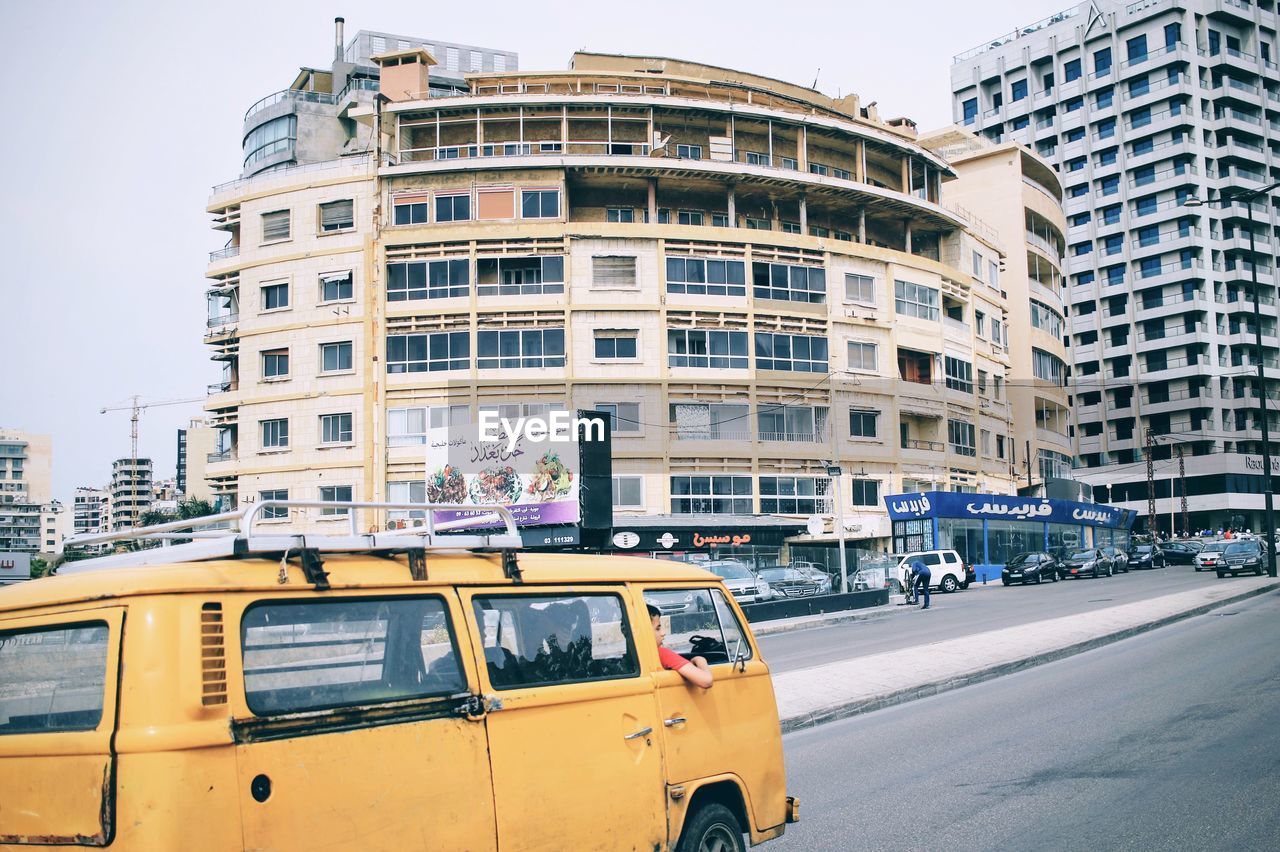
(1248, 197)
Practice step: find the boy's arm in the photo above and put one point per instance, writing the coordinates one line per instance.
(697, 672)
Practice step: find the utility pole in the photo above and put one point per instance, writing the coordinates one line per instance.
(834, 472)
(1182, 480)
(1151, 486)
(1027, 460)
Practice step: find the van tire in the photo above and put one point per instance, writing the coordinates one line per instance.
(949, 584)
(712, 823)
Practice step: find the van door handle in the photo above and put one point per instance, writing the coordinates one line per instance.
(674, 720)
(643, 732)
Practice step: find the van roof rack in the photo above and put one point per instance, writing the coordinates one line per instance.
(238, 534)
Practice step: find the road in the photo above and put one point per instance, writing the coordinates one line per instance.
(1169, 740)
(976, 610)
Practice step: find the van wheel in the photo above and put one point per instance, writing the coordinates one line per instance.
(949, 584)
(713, 828)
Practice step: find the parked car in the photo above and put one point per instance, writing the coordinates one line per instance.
(1180, 552)
(1035, 567)
(1241, 556)
(1148, 556)
(1087, 563)
(791, 582)
(1119, 559)
(946, 570)
(828, 582)
(745, 587)
(1210, 557)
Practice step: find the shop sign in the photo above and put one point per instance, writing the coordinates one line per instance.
(948, 504)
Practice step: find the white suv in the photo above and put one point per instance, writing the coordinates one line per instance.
(946, 570)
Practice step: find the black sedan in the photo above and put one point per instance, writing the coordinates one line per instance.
(1180, 552)
(1241, 557)
(1030, 568)
(1087, 563)
(1148, 556)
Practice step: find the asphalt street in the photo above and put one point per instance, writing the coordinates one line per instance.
(975, 610)
(1169, 740)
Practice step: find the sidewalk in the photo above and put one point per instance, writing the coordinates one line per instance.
(824, 693)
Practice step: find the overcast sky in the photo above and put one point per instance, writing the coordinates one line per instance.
(122, 115)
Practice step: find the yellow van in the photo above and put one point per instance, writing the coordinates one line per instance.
(389, 691)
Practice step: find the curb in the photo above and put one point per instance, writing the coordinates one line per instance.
(767, 629)
(902, 696)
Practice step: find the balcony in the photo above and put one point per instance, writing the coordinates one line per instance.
(224, 253)
(226, 386)
(223, 320)
(289, 95)
(221, 456)
(818, 437)
(925, 446)
(1157, 57)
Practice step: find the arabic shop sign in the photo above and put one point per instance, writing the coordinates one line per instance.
(947, 504)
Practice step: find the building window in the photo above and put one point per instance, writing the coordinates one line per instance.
(624, 215)
(865, 492)
(335, 429)
(613, 272)
(275, 226)
(754, 224)
(616, 345)
(960, 435)
(408, 427)
(1047, 367)
(275, 296)
(798, 353)
(411, 210)
(275, 364)
(625, 416)
(1071, 70)
(863, 424)
(427, 279)
(1102, 62)
(520, 276)
(807, 423)
(860, 289)
(275, 434)
(453, 208)
(689, 217)
(540, 204)
(335, 494)
(795, 495)
(862, 356)
(525, 348)
(689, 152)
(335, 357)
(336, 287)
(789, 283)
(706, 495)
(791, 228)
(1046, 318)
(915, 300)
(719, 220)
(1018, 90)
(628, 492)
(959, 374)
(428, 353)
(698, 276)
(706, 348)
(274, 513)
(337, 216)
(274, 137)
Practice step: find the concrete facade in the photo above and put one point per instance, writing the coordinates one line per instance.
(586, 206)
(29, 517)
(195, 444)
(1142, 106)
(1019, 195)
(131, 491)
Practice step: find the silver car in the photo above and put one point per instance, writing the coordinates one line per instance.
(745, 587)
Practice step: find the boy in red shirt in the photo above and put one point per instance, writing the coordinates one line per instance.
(695, 671)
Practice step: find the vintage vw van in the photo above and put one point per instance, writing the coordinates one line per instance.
(380, 692)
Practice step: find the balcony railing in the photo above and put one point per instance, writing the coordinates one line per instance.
(720, 435)
(798, 437)
(931, 446)
(221, 387)
(221, 456)
(223, 320)
(224, 253)
(289, 95)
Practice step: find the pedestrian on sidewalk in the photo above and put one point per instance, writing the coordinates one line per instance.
(920, 577)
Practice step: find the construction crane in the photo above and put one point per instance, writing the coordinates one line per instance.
(136, 406)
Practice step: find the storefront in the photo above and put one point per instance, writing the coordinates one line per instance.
(988, 529)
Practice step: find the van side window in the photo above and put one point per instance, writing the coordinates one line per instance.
(700, 624)
(931, 559)
(53, 678)
(339, 653)
(535, 640)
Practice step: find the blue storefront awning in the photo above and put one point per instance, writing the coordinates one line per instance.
(952, 504)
